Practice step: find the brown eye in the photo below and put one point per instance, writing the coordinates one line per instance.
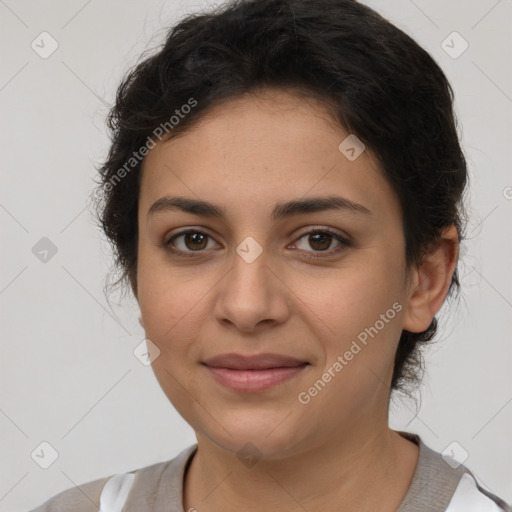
(188, 241)
(195, 241)
(320, 241)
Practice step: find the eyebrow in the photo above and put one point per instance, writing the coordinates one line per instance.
(280, 211)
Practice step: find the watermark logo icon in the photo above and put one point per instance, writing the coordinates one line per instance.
(249, 249)
(44, 45)
(44, 455)
(351, 147)
(249, 454)
(146, 352)
(454, 45)
(44, 250)
(454, 454)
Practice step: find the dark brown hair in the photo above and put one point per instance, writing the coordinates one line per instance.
(374, 79)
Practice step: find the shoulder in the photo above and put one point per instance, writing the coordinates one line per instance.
(469, 496)
(137, 484)
(82, 498)
(441, 484)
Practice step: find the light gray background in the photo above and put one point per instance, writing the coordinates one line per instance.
(67, 372)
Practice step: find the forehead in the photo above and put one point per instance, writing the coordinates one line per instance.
(264, 148)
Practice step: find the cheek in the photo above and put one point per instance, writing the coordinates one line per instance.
(173, 309)
(355, 314)
(170, 303)
(350, 299)
(170, 313)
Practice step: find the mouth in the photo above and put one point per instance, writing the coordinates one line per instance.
(254, 373)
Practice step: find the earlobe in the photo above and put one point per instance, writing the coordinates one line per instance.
(431, 282)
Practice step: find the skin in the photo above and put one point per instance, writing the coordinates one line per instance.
(246, 156)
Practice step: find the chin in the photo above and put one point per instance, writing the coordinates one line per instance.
(265, 436)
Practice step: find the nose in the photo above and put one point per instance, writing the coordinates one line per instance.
(251, 296)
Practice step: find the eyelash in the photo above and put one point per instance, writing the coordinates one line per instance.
(344, 243)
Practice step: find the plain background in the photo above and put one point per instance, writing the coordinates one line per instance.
(67, 372)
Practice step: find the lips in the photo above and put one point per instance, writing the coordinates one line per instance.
(255, 373)
(253, 362)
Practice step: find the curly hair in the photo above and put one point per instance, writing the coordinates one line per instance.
(374, 79)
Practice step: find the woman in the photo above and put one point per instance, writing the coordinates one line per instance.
(284, 196)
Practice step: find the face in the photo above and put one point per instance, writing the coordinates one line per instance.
(324, 284)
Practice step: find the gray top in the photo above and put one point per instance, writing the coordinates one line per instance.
(159, 487)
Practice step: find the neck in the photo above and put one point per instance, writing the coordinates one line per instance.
(342, 470)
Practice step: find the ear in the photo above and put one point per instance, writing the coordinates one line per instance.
(430, 282)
